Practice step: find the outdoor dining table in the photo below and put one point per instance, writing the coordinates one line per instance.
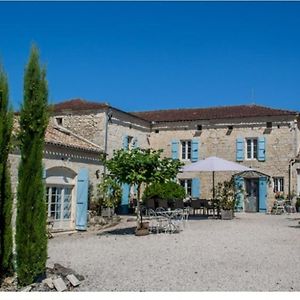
(170, 216)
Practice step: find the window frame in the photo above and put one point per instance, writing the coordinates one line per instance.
(252, 150)
(59, 206)
(186, 147)
(184, 182)
(278, 184)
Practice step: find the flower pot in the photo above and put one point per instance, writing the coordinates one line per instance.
(107, 212)
(226, 214)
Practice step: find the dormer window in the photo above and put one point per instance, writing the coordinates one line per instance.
(59, 121)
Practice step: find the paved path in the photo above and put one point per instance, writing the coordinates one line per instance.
(253, 252)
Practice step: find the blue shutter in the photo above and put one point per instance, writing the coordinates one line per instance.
(239, 149)
(175, 149)
(82, 199)
(195, 188)
(125, 198)
(262, 194)
(239, 185)
(125, 142)
(261, 156)
(195, 150)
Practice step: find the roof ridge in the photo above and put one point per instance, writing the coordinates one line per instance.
(211, 107)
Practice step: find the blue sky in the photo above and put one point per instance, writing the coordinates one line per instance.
(144, 56)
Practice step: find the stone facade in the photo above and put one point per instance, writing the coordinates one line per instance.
(216, 137)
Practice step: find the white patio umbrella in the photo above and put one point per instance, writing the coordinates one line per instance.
(215, 164)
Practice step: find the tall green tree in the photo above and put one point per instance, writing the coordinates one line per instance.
(31, 240)
(6, 123)
(142, 166)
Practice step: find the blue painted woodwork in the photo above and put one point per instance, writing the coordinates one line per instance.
(82, 199)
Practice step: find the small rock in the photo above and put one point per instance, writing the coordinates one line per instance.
(48, 282)
(26, 288)
(59, 284)
(74, 281)
(9, 280)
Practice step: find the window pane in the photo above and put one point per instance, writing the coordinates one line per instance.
(189, 145)
(249, 148)
(254, 148)
(67, 203)
(183, 151)
(189, 187)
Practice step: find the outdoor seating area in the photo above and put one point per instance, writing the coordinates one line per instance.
(281, 206)
(166, 220)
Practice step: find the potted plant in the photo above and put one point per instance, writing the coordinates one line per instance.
(168, 191)
(110, 194)
(298, 204)
(226, 194)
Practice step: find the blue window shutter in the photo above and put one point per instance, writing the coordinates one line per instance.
(125, 198)
(175, 149)
(82, 199)
(239, 149)
(195, 188)
(239, 185)
(125, 142)
(263, 193)
(195, 150)
(261, 156)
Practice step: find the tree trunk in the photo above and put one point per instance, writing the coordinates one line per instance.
(138, 208)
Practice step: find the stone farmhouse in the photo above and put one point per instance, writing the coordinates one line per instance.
(265, 139)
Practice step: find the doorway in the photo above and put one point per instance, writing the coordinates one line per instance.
(59, 205)
(252, 194)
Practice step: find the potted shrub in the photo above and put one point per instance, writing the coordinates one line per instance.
(168, 191)
(226, 194)
(298, 204)
(110, 194)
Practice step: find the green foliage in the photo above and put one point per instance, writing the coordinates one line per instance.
(165, 191)
(110, 192)
(6, 199)
(139, 166)
(226, 193)
(31, 239)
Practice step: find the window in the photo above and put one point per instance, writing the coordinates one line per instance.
(251, 148)
(186, 147)
(187, 185)
(59, 121)
(278, 184)
(59, 201)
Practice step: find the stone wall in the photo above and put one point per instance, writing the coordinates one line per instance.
(88, 124)
(215, 139)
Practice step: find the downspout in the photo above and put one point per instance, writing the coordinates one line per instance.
(108, 115)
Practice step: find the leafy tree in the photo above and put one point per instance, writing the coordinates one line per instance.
(6, 123)
(165, 191)
(141, 166)
(31, 239)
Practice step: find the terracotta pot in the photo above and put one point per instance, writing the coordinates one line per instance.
(226, 214)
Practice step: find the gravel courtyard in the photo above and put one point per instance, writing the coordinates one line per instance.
(253, 252)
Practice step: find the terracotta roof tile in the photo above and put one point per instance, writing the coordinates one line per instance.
(57, 135)
(78, 104)
(240, 111)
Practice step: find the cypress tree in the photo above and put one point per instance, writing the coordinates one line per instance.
(6, 122)
(31, 239)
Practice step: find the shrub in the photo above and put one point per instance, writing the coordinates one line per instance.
(165, 191)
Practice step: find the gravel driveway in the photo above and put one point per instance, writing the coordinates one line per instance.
(253, 252)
